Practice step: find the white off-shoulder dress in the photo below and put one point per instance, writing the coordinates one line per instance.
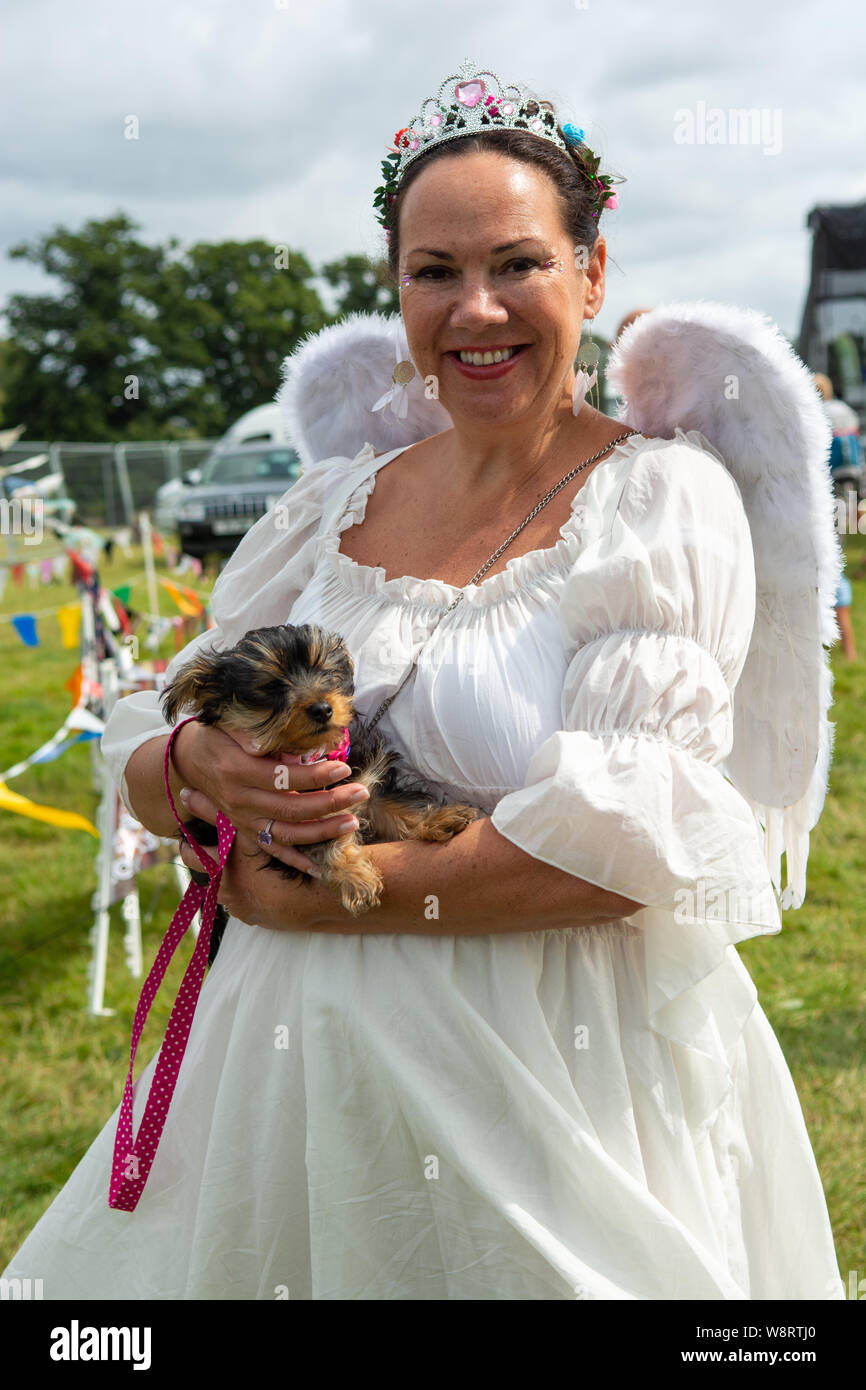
(597, 1112)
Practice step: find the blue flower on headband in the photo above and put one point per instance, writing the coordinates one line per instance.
(572, 134)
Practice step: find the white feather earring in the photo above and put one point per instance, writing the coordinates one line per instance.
(397, 395)
(586, 375)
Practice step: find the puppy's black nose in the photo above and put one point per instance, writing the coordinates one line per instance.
(320, 712)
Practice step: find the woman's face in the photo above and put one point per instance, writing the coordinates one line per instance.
(481, 245)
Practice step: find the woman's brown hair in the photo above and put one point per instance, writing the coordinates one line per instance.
(566, 171)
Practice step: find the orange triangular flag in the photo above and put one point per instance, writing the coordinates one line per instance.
(73, 685)
(187, 600)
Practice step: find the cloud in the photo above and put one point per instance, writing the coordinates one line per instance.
(272, 119)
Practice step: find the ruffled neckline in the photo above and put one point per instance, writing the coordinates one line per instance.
(533, 566)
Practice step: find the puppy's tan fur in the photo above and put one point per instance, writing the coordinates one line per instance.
(291, 689)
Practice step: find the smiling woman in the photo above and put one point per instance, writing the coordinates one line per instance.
(538, 1070)
(488, 272)
(519, 281)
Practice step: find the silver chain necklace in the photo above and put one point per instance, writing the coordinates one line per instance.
(474, 580)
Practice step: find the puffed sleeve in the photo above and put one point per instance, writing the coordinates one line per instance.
(656, 617)
(269, 569)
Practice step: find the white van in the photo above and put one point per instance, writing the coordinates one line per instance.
(261, 425)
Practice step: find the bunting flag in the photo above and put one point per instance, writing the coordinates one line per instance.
(83, 570)
(46, 571)
(25, 625)
(106, 610)
(73, 685)
(69, 618)
(52, 815)
(123, 592)
(50, 754)
(187, 600)
(79, 720)
(18, 574)
(122, 615)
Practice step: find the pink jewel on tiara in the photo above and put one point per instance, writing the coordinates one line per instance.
(436, 119)
(469, 93)
(508, 108)
(413, 144)
(536, 124)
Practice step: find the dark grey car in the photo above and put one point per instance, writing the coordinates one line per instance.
(237, 486)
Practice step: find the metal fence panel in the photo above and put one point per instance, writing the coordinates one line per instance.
(111, 483)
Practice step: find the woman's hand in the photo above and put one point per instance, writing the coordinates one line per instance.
(265, 899)
(219, 773)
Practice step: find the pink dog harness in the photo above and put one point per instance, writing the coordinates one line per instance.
(131, 1163)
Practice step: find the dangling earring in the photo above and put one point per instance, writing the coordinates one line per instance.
(586, 376)
(397, 396)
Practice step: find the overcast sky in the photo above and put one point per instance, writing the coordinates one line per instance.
(266, 119)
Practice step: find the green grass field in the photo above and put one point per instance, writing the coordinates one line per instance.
(64, 1070)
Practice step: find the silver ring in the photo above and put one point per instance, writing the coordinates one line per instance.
(265, 837)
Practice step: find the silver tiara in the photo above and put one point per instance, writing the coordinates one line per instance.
(470, 101)
(474, 101)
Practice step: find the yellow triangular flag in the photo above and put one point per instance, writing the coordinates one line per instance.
(21, 806)
(69, 619)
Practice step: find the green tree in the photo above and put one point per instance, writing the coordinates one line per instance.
(229, 313)
(362, 286)
(147, 342)
(5, 360)
(71, 351)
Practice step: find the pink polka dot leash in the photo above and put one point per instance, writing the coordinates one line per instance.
(132, 1162)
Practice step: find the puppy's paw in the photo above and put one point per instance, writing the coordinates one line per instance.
(353, 876)
(444, 822)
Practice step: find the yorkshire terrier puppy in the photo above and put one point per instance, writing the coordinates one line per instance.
(290, 689)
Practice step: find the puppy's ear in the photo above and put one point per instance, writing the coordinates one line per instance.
(199, 685)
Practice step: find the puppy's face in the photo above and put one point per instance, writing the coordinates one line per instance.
(288, 688)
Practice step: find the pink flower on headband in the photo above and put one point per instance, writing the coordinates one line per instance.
(606, 195)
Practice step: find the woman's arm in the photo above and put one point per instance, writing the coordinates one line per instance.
(146, 787)
(478, 884)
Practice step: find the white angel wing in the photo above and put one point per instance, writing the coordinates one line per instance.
(729, 373)
(334, 378)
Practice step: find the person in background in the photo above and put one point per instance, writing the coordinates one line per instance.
(845, 457)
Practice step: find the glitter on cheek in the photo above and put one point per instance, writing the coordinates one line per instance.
(553, 264)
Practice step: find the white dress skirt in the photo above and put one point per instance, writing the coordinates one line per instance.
(596, 1112)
